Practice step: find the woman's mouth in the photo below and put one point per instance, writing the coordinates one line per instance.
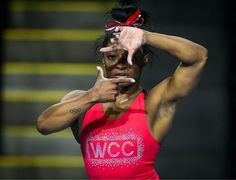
(121, 75)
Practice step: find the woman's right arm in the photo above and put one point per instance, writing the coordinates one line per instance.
(59, 116)
(73, 106)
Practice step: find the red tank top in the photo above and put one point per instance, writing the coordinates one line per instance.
(121, 148)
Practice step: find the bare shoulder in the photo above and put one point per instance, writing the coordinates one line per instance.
(72, 94)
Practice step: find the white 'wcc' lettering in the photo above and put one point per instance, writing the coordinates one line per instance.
(98, 152)
(121, 148)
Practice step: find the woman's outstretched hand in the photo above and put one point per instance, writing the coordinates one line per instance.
(106, 90)
(127, 38)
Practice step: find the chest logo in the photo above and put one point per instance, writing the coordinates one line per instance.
(112, 148)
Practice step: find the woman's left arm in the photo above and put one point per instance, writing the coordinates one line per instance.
(192, 56)
(162, 99)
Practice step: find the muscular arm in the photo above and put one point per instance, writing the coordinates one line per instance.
(61, 115)
(192, 58)
(162, 99)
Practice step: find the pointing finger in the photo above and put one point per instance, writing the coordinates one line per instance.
(123, 80)
(108, 49)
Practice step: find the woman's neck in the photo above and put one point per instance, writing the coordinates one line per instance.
(123, 101)
(128, 93)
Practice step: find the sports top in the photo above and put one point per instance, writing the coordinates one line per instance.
(121, 148)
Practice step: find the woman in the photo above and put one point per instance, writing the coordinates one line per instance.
(120, 126)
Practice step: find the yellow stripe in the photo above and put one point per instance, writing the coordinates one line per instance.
(88, 6)
(51, 35)
(50, 68)
(31, 132)
(42, 161)
(42, 96)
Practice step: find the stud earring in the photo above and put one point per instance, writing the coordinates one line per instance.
(103, 63)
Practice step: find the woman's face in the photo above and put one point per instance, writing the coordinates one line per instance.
(116, 64)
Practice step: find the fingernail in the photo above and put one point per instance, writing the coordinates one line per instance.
(132, 80)
(97, 68)
(112, 40)
(130, 62)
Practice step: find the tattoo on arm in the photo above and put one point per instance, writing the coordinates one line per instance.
(75, 110)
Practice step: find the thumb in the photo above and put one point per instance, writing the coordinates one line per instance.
(100, 72)
(130, 56)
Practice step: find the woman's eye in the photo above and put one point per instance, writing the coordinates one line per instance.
(111, 57)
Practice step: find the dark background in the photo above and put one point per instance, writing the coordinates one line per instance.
(201, 143)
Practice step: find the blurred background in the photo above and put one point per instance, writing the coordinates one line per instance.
(47, 50)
